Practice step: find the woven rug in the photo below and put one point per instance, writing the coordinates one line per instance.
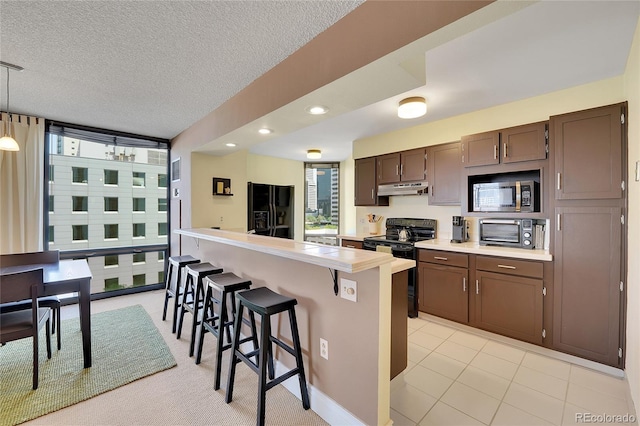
(126, 346)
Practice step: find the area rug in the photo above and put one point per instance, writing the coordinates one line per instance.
(126, 346)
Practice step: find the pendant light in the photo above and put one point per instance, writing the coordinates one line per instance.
(8, 143)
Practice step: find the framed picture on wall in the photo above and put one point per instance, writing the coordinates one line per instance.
(175, 170)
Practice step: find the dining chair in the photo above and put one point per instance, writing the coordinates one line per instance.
(52, 302)
(27, 322)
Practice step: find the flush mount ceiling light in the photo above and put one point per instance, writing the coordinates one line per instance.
(7, 142)
(317, 110)
(413, 107)
(230, 144)
(314, 154)
(265, 131)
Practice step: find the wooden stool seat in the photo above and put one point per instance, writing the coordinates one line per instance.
(266, 302)
(175, 263)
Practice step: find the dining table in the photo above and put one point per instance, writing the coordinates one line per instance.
(63, 277)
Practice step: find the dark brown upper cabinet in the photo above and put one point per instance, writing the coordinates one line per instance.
(512, 145)
(405, 166)
(366, 187)
(588, 153)
(445, 174)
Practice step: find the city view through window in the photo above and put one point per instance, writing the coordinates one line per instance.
(322, 208)
(108, 203)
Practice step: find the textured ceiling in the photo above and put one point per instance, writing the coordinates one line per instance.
(147, 67)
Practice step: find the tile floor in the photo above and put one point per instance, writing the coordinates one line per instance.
(457, 378)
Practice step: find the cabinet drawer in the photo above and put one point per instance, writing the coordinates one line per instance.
(510, 266)
(352, 244)
(444, 258)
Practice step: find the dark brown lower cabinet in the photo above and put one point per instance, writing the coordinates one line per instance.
(509, 305)
(587, 280)
(399, 309)
(443, 291)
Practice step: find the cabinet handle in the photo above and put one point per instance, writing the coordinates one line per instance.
(464, 284)
(440, 258)
(559, 186)
(348, 246)
(477, 288)
(495, 152)
(433, 191)
(396, 170)
(401, 169)
(372, 193)
(506, 266)
(504, 146)
(558, 227)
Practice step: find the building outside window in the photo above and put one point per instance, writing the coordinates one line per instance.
(80, 174)
(322, 208)
(110, 177)
(162, 204)
(162, 180)
(139, 279)
(52, 237)
(138, 204)
(110, 231)
(80, 232)
(51, 173)
(139, 257)
(138, 179)
(80, 204)
(162, 229)
(138, 230)
(110, 204)
(50, 203)
(111, 260)
(112, 284)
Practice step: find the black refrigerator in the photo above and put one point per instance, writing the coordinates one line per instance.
(270, 210)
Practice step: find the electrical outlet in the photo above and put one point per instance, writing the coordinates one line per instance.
(324, 348)
(221, 219)
(348, 289)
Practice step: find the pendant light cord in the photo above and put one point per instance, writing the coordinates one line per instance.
(8, 114)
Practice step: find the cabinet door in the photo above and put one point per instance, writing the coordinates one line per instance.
(444, 291)
(481, 149)
(445, 171)
(524, 143)
(389, 168)
(351, 244)
(588, 153)
(413, 165)
(509, 305)
(587, 271)
(365, 181)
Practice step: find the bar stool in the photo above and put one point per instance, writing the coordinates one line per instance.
(227, 285)
(177, 263)
(266, 302)
(193, 296)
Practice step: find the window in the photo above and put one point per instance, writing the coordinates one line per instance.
(110, 204)
(50, 173)
(110, 231)
(162, 180)
(138, 204)
(80, 174)
(139, 280)
(112, 284)
(138, 179)
(110, 177)
(162, 204)
(111, 260)
(80, 232)
(322, 209)
(138, 230)
(79, 204)
(139, 257)
(51, 234)
(160, 256)
(160, 276)
(51, 203)
(162, 229)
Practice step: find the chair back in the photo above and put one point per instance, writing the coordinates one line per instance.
(18, 286)
(32, 258)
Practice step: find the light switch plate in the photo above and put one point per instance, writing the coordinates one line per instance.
(348, 289)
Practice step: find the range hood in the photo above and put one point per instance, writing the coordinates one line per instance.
(412, 188)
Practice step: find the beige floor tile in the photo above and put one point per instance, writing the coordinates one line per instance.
(425, 340)
(541, 382)
(596, 402)
(506, 352)
(535, 403)
(411, 402)
(469, 340)
(416, 353)
(601, 382)
(495, 365)
(438, 330)
(471, 402)
(572, 414)
(400, 420)
(443, 364)
(484, 382)
(508, 415)
(428, 381)
(456, 351)
(546, 365)
(443, 415)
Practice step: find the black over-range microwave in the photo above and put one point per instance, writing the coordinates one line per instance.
(516, 196)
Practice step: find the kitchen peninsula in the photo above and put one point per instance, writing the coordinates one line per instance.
(351, 386)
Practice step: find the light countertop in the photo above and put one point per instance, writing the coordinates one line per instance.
(356, 237)
(334, 257)
(472, 247)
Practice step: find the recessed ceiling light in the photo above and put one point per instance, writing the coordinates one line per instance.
(317, 110)
(231, 144)
(265, 131)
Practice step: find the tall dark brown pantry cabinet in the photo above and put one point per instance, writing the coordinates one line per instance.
(589, 246)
